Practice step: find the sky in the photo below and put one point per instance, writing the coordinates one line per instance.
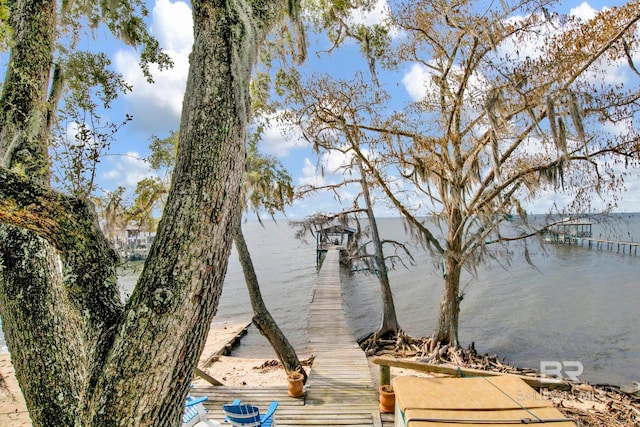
(156, 108)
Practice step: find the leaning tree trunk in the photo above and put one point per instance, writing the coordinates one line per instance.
(261, 317)
(389, 319)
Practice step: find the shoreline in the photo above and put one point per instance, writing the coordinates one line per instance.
(588, 404)
(592, 405)
(13, 409)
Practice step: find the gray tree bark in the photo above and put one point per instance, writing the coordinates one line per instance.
(262, 319)
(389, 319)
(450, 302)
(42, 314)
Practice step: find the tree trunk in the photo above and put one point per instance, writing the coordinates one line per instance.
(389, 319)
(35, 306)
(169, 313)
(23, 114)
(450, 301)
(58, 310)
(50, 339)
(261, 316)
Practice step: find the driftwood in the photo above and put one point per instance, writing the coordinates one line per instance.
(535, 382)
(601, 406)
(207, 377)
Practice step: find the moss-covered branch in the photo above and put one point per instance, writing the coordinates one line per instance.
(71, 226)
(62, 220)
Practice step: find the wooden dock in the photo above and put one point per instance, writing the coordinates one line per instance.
(630, 248)
(221, 340)
(339, 390)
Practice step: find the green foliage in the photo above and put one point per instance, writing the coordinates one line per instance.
(6, 31)
(79, 137)
(148, 192)
(88, 78)
(266, 184)
(117, 212)
(77, 147)
(163, 151)
(260, 87)
(124, 19)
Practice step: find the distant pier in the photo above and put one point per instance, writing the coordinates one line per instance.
(336, 237)
(578, 232)
(630, 248)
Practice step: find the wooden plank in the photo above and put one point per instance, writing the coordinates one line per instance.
(207, 377)
(221, 339)
(339, 391)
(536, 382)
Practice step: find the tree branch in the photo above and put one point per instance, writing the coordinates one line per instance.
(71, 226)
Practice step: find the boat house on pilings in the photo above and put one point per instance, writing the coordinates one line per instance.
(568, 231)
(332, 237)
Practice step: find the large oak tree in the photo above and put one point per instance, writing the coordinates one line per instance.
(81, 357)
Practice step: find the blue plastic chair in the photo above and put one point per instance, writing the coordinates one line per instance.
(240, 415)
(195, 414)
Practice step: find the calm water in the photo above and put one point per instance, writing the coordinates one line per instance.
(576, 305)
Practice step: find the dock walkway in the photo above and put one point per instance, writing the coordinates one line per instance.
(339, 390)
(630, 248)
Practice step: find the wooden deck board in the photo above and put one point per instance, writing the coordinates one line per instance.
(221, 338)
(339, 391)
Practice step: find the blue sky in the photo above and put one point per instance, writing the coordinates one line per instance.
(156, 108)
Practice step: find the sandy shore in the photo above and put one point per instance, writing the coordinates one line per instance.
(13, 410)
(235, 371)
(230, 371)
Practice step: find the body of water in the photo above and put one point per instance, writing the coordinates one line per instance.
(576, 304)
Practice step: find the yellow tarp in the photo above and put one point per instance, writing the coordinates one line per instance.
(495, 401)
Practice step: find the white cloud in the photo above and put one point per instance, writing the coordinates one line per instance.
(333, 166)
(157, 107)
(173, 26)
(415, 81)
(630, 199)
(125, 170)
(620, 127)
(419, 84)
(377, 15)
(583, 11)
(278, 139)
(310, 175)
(336, 162)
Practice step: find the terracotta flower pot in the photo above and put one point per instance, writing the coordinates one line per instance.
(295, 384)
(387, 399)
